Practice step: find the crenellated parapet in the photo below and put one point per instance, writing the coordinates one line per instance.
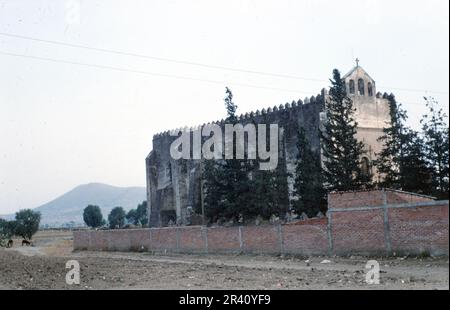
(250, 116)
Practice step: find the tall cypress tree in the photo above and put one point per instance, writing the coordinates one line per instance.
(435, 132)
(228, 186)
(391, 160)
(213, 188)
(308, 185)
(271, 194)
(279, 188)
(416, 175)
(341, 149)
(237, 184)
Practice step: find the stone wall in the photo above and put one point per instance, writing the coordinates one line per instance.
(173, 186)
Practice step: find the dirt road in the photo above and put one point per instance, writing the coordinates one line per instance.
(43, 267)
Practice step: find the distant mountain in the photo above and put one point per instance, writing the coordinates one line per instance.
(69, 206)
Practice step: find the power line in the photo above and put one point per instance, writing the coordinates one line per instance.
(161, 58)
(177, 61)
(163, 74)
(152, 73)
(415, 90)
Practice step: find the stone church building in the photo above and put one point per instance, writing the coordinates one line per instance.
(173, 186)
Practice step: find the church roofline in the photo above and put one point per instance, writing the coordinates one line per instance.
(355, 68)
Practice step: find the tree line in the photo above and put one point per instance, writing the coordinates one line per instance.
(416, 161)
(25, 225)
(117, 218)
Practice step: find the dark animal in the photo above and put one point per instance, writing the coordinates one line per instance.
(9, 244)
(26, 242)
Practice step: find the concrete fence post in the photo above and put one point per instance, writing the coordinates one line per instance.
(150, 243)
(241, 242)
(108, 239)
(204, 230)
(90, 240)
(177, 239)
(280, 238)
(330, 233)
(387, 230)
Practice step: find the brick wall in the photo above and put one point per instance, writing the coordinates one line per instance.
(306, 237)
(224, 239)
(397, 197)
(163, 239)
(344, 200)
(419, 229)
(370, 222)
(261, 239)
(192, 239)
(359, 232)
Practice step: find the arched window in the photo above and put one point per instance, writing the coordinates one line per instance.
(351, 86)
(361, 87)
(365, 167)
(369, 89)
(168, 171)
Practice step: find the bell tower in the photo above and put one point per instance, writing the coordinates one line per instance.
(372, 113)
(359, 84)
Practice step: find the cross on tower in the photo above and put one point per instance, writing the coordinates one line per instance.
(357, 62)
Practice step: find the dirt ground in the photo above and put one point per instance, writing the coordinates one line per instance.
(42, 266)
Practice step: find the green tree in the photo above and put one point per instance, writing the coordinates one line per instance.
(3, 232)
(92, 216)
(138, 216)
(228, 188)
(416, 175)
(116, 218)
(230, 107)
(308, 184)
(436, 142)
(213, 188)
(7, 230)
(237, 197)
(142, 213)
(3, 229)
(341, 149)
(269, 194)
(404, 161)
(132, 217)
(27, 223)
(391, 160)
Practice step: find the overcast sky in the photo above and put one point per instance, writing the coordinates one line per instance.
(65, 124)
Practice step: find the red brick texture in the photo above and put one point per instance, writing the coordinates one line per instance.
(358, 232)
(163, 239)
(305, 239)
(139, 239)
(223, 240)
(355, 199)
(118, 240)
(81, 240)
(393, 197)
(261, 239)
(191, 239)
(420, 229)
(371, 222)
(98, 240)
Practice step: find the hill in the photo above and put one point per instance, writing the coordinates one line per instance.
(69, 206)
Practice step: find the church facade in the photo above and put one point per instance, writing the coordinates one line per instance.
(174, 186)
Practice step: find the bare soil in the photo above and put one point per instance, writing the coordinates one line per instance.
(42, 266)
